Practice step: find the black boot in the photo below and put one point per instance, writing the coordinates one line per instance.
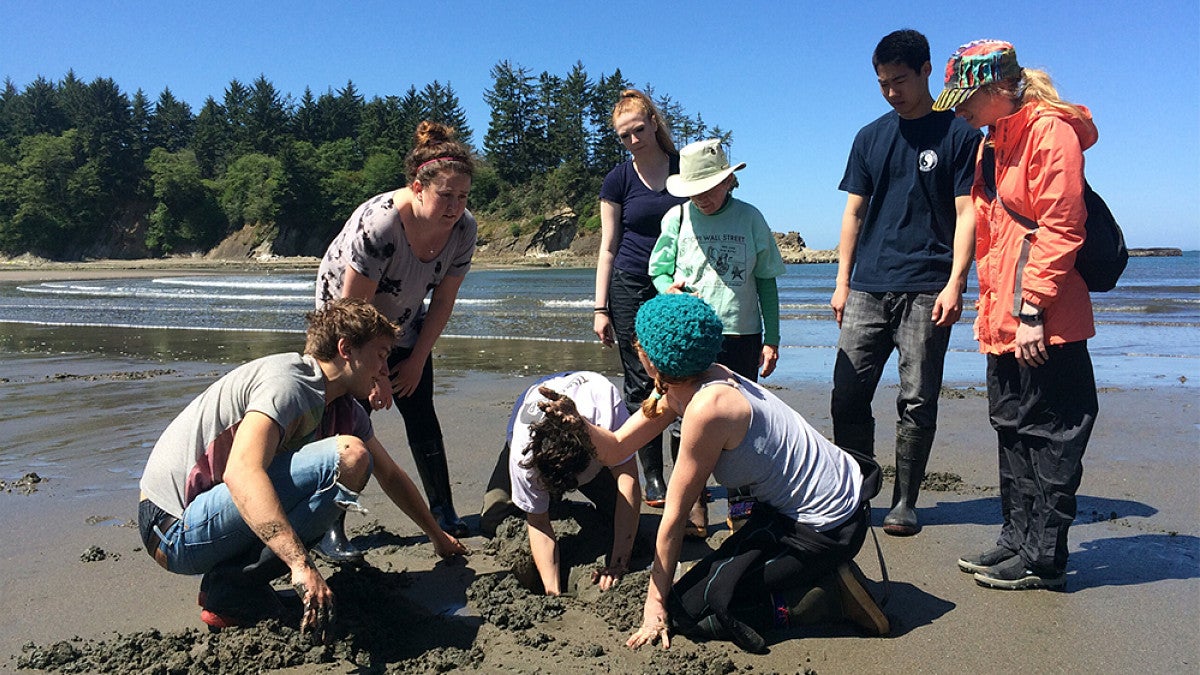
(430, 458)
(858, 436)
(912, 454)
(239, 593)
(335, 547)
(654, 490)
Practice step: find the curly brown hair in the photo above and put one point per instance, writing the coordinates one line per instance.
(559, 452)
(354, 319)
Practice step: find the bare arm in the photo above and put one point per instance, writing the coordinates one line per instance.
(357, 285)
(399, 487)
(714, 420)
(625, 523)
(610, 238)
(948, 307)
(407, 373)
(544, 547)
(612, 448)
(250, 487)
(852, 218)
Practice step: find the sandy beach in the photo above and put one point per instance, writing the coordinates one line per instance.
(74, 569)
(78, 593)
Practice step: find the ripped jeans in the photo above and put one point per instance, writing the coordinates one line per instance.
(212, 530)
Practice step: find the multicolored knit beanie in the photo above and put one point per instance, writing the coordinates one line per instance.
(680, 333)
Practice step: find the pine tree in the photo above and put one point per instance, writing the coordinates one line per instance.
(513, 103)
(211, 141)
(236, 106)
(306, 121)
(37, 110)
(606, 148)
(441, 105)
(267, 117)
(172, 123)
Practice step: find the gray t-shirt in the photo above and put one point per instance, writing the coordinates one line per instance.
(788, 465)
(190, 456)
(373, 243)
(597, 400)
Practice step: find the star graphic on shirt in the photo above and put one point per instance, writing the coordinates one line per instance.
(737, 273)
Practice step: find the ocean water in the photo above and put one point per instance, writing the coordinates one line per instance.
(533, 320)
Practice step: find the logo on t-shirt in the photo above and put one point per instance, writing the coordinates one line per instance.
(927, 161)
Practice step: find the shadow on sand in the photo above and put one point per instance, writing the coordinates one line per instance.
(986, 511)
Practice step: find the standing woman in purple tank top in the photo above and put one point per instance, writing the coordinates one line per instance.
(633, 200)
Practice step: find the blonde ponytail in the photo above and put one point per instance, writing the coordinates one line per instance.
(1037, 86)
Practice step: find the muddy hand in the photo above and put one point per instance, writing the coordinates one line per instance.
(649, 634)
(557, 405)
(317, 617)
(607, 577)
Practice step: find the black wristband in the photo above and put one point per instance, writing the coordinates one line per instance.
(600, 310)
(1030, 319)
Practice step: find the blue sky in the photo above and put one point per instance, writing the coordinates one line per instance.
(793, 80)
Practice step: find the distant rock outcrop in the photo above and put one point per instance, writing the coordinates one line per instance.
(555, 234)
(1157, 252)
(790, 241)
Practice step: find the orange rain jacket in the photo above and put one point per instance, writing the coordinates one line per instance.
(1039, 174)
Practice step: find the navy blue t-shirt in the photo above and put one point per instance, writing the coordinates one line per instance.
(910, 171)
(642, 210)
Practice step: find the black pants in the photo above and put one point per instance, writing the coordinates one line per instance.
(1043, 418)
(768, 554)
(741, 354)
(626, 294)
(420, 419)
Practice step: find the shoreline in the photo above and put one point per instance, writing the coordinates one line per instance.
(1133, 583)
(30, 268)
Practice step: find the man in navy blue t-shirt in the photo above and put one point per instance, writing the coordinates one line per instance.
(908, 236)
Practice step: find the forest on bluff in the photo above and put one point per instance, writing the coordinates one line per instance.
(87, 171)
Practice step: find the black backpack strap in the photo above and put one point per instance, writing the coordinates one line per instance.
(872, 482)
(883, 573)
(988, 169)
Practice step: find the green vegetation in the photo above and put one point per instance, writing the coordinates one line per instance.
(87, 171)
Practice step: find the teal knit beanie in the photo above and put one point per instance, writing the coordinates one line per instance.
(680, 334)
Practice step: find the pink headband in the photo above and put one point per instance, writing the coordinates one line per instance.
(435, 159)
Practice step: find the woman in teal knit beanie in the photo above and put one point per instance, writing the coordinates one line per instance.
(812, 497)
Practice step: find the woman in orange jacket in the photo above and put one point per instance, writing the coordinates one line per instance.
(1035, 315)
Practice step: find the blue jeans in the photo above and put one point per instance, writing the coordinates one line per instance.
(212, 530)
(873, 325)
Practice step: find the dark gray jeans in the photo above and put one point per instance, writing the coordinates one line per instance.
(873, 325)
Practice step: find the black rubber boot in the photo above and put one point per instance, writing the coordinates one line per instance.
(912, 454)
(335, 546)
(654, 490)
(858, 436)
(430, 458)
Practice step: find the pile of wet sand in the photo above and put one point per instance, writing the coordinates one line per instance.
(380, 629)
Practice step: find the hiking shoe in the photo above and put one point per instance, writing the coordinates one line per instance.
(1014, 575)
(857, 603)
(981, 562)
(229, 599)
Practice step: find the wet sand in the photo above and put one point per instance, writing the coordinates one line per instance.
(85, 425)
